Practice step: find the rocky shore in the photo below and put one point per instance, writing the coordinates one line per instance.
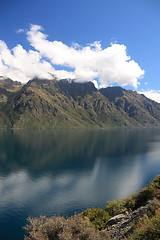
(122, 225)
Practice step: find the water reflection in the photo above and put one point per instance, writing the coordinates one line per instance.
(69, 191)
(40, 151)
(67, 171)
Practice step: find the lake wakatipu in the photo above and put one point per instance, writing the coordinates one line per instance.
(60, 172)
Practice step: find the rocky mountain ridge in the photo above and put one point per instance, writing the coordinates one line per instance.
(43, 103)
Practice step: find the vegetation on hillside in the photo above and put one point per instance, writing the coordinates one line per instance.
(44, 103)
(147, 227)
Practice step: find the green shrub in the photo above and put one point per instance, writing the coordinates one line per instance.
(97, 217)
(115, 207)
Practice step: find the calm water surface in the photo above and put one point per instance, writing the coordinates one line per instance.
(66, 171)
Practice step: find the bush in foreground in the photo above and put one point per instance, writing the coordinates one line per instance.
(60, 228)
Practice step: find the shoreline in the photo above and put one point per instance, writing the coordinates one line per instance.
(120, 219)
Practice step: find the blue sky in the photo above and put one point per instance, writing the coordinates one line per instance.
(131, 26)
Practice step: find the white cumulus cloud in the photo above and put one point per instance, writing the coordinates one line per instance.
(20, 65)
(110, 65)
(152, 94)
(84, 63)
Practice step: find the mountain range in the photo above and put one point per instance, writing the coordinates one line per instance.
(42, 103)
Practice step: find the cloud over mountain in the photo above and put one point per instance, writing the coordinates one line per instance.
(109, 65)
(152, 94)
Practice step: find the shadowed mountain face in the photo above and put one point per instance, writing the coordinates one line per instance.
(65, 103)
(75, 89)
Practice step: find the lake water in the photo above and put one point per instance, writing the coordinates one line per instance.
(60, 172)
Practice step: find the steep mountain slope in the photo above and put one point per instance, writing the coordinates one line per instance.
(145, 111)
(65, 103)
